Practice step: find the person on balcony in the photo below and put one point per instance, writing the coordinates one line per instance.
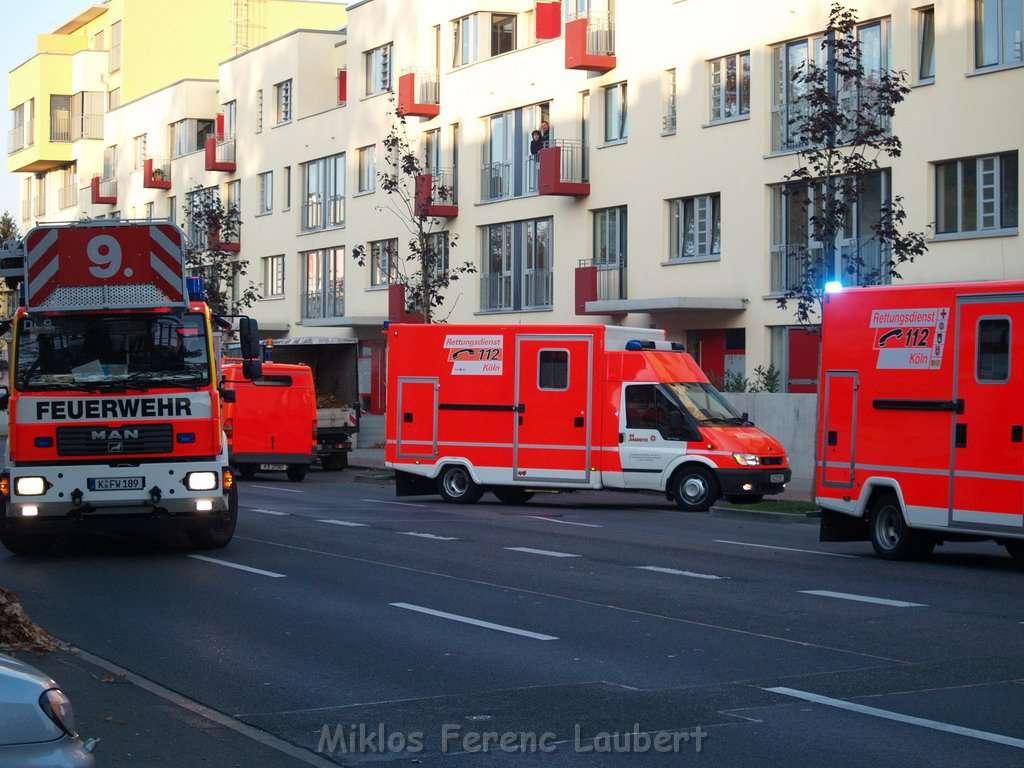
(536, 143)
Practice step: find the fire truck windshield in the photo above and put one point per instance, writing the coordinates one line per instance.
(705, 403)
(111, 351)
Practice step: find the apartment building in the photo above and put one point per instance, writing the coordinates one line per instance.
(661, 201)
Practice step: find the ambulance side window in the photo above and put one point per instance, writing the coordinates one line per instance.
(273, 381)
(640, 413)
(993, 355)
(553, 369)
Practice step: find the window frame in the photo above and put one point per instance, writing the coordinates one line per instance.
(266, 193)
(720, 93)
(925, 18)
(377, 70)
(564, 370)
(379, 277)
(978, 340)
(999, 198)
(712, 233)
(981, 31)
(283, 102)
(615, 98)
(274, 276)
(366, 169)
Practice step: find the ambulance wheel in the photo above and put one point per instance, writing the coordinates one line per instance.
(218, 536)
(694, 488)
(456, 486)
(296, 472)
(1016, 549)
(512, 495)
(891, 537)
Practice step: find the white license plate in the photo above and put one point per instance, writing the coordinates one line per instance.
(273, 467)
(777, 479)
(117, 483)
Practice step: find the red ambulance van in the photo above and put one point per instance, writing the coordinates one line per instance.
(921, 426)
(514, 409)
(271, 425)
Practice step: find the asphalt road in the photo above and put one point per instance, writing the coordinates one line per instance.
(341, 612)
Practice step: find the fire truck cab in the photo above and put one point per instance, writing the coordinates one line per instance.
(921, 426)
(517, 409)
(113, 401)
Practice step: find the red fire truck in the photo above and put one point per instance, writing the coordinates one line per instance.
(921, 427)
(113, 399)
(515, 409)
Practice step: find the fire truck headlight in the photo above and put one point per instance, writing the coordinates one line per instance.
(201, 481)
(30, 486)
(747, 459)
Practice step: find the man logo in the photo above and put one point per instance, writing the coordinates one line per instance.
(115, 434)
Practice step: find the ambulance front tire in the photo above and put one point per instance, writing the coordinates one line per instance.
(694, 488)
(296, 472)
(218, 536)
(891, 537)
(456, 486)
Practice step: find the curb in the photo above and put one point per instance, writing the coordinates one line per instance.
(358, 476)
(761, 516)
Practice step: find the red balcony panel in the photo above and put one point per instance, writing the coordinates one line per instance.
(396, 307)
(577, 55)
(407, 106)
(212, 163)
(149, 181)
(550, 181)
(548, 17)
(97, 197)
(342, 86)
(425, 206)
(586, 288)
(216, 244)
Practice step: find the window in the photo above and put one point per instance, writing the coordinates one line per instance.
(926, 44)
(517, 265)
(368, 168)
(149, 211)
(259, 111)
(23, 129)
(616, 127)
(553, 369)
(115, 47)
(503, 33)
(195, 205)
(172, 209)
(648, 407)
(324, 294)
(993, 350)
(695, 224)
(273, 276)
(233, 199)
(730, 86)
(384, 262)
(998, 32)
(229, 114)
(190, 135)
(113, 99)
(465, 47)
(266, 192)
(138, 152)
(432, 150)
(287, 188)
(377, 70)
(977, 194)
(283, 102)
(610, 237)
(323, 185)
(60, 118)
(437, 252)
(668, 123)
(87, 115)
(110, 162)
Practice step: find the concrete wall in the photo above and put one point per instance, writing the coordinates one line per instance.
(790, 419)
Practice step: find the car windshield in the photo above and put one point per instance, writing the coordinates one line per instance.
(135, 351)
(705, 403)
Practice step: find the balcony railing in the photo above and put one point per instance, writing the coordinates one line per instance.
(495, 291)
(600, 32)
(226, 149)
(326, 303)
(20, 137)
(419, 92)
(572, 160)
(26, 209)
(538, 289)
(496, 181)
(858, 262)
(67, 196)
(38, 205)
(562, 169)
(531, 182)
(787, 133)
(320, 215)
(668, 122)
(611, 279)
(435, 193)
(156, 172)
(87, 127)
(60, 128)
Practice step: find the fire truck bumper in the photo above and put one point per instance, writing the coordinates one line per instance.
(753, 482)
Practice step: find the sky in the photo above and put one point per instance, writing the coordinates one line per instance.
(20, 30)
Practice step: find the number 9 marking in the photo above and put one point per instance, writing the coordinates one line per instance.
(105, 252)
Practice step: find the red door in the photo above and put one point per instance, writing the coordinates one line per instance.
(839, 438)
(802, 349)
(988, 437)
(417, 418)
(553, 426)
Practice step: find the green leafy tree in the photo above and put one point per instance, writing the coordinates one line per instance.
(842, 120)
(211, 226)
(8, 228)
(427, 271)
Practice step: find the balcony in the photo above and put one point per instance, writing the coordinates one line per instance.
(220, 153)
(495, 291)
(156, 172)
(496, 181)
(599, 281)
(104, 191)
(231, 243)
(590, 42)
(419, 93)
(538, 289)
(87, 126)
(26, 209)
(859, 262)
(317, 214)
(38, 205)
(20, 137)
(561, 169)
(398, 312)
(67, 196)
(548, 18)
(329, 302)
(435, 194)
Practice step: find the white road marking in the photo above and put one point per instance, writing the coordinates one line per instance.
(935, 725)
(343, 522)
(395, 503)
(474, 622)
(784, 549)
(539, 552)
(271, 574)
(428, 536)
(275, 488)
(674, 572)
(271, 512)
(563, 522)
(862, 598)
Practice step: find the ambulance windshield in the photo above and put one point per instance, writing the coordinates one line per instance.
(705, 404)
(101, 352)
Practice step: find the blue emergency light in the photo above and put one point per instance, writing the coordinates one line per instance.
(196, 288)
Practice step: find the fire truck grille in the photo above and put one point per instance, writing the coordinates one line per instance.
(768, 460)
(97, 441)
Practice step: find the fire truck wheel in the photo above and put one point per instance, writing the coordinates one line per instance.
(891, 538)
(219, 536)
(1016, 549)
(512, 495)
(247, 472)
(22, 543)
(694, 488)
(456, 486)
(296, 472)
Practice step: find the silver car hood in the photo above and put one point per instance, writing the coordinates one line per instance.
(22, 720)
